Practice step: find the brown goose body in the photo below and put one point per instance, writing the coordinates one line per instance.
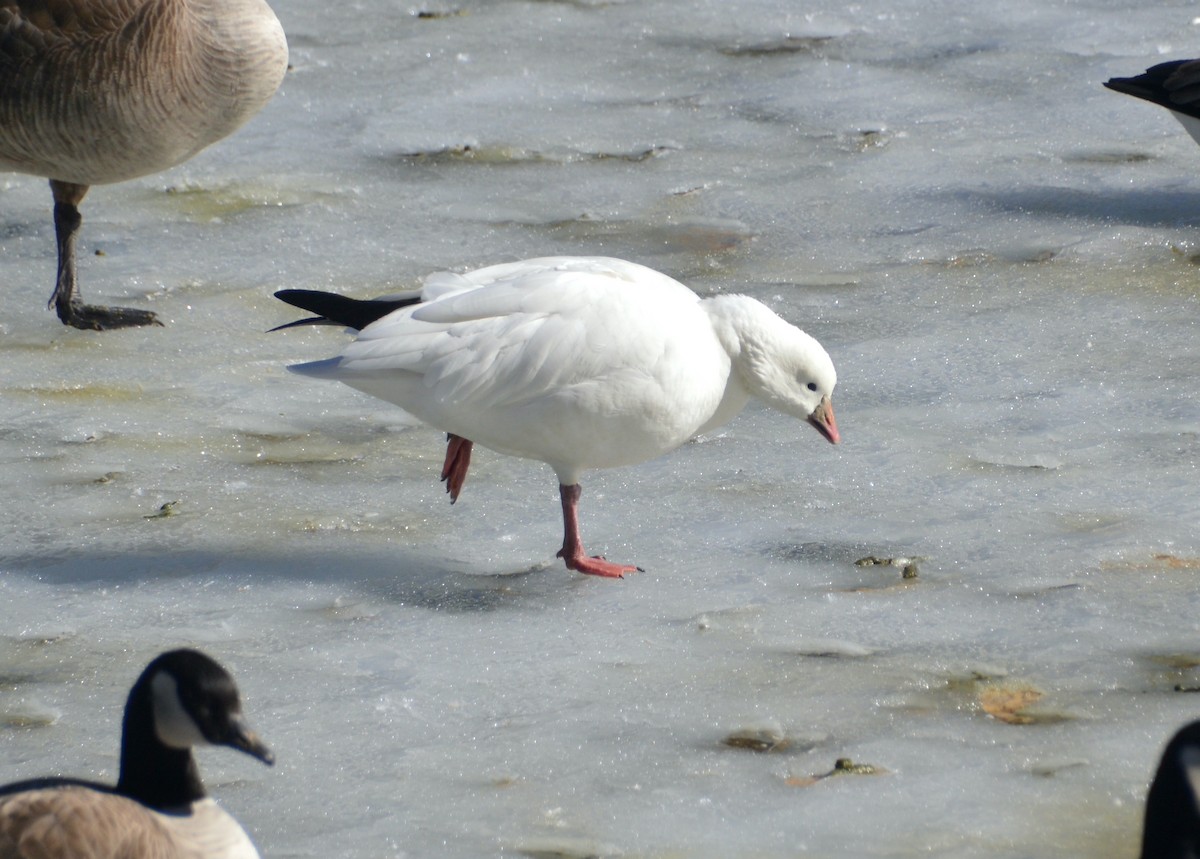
(83, 823)
(100, 91)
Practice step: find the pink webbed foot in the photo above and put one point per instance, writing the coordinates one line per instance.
(597, 566)
(454, 469)
(572, 551)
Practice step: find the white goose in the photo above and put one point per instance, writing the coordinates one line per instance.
(158, 808)
(1175, 85)
(579, 362)
(101, 91)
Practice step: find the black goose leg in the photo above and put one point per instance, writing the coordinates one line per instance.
(71, 310)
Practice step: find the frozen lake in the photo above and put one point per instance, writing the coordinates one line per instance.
(999, 254)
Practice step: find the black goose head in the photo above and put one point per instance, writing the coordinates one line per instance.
(182, 699)
(1172, 827)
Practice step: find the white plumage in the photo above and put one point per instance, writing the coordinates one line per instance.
(579, 362)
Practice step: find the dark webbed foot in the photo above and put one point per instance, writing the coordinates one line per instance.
(72, 311)
(96, 317)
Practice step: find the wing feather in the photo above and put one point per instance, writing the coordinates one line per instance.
(510, 334)
(79, 823)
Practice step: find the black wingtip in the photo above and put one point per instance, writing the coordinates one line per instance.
(1173, 85)
(333, 309)
(1134, 87)
(312, 320)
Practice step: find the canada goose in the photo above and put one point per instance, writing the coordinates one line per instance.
(158, 807)
(1174, 85)
(101, 91)
(579, 362)
(1172, 827)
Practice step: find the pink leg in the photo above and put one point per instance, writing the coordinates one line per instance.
(572, 551)
(454, 469)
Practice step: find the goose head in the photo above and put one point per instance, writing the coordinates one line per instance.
(777, 362)
(182, 699)
(1172, 820)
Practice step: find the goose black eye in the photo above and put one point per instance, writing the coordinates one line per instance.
(812, 386)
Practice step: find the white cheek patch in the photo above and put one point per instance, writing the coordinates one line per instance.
(1189, 756)
(174, 727)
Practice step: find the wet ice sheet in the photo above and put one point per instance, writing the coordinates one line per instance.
(996, 251)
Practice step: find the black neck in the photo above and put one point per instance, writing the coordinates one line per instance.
(151, 772)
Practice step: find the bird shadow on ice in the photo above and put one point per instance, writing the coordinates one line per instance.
(397, 576)
(1146, 207)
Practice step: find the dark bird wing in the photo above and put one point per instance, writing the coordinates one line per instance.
(334, 309)
(1174, 85)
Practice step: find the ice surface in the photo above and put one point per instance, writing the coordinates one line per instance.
(999, 254)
